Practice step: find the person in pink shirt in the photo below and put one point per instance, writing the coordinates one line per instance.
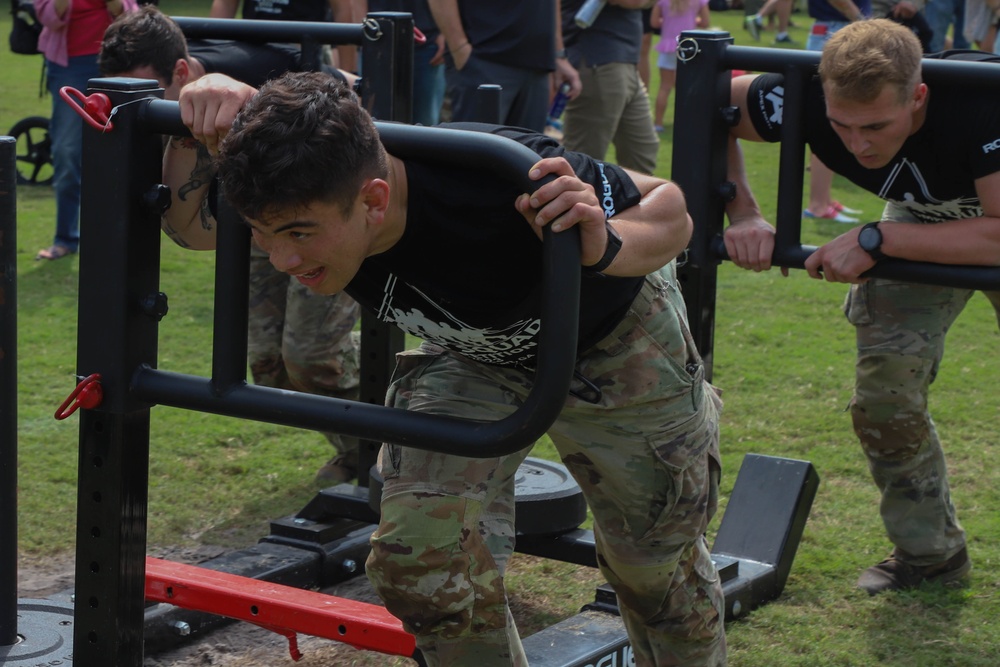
(71, 37)
(671, 18)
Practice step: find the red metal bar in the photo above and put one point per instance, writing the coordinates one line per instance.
(282, 609)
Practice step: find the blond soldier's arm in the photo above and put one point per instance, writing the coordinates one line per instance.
(973, 241)
(188, 171)
(749, 238)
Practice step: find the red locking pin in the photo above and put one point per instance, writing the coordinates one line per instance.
(87, 395)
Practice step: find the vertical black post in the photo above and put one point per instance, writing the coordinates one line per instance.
(117, 333)
(8, 391)
(232, 300)
(488, 103)
(311, 54)
(387, 66)
(791, 166)
(387, 93)
(701, 135)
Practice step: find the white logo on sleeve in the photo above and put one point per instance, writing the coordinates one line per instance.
(992, 146)
(607, 201)
(777, 99)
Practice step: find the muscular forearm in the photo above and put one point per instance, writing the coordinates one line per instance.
(654, 231)
(972, 241)
(188, 171)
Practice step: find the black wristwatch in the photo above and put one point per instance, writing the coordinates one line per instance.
(870, 240)
(610, 252)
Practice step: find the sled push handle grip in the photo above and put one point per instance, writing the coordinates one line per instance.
(928, 273)
(557, 341)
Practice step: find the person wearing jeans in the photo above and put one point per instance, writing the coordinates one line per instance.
(941, 15)
(70, 40)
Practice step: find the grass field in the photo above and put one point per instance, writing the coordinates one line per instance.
(783, 358)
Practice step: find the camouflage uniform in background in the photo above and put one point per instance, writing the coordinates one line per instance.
(645, 455)
(302, 341)
(901, 330)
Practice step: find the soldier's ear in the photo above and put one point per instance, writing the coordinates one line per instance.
(182, 72)
(919, 96)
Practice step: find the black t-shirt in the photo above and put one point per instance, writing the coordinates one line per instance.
(517, 34)
(614, 37)
(286, 10)
(252, 64)
(934, 171)
(466, 274)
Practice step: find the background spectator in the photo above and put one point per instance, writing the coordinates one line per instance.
(70, 40)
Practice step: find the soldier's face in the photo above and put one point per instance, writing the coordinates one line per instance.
(874, 131)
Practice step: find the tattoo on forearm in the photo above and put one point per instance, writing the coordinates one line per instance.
(206, 215)
(201, 173)
(173, 234)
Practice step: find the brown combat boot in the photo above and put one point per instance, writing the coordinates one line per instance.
(893, 574)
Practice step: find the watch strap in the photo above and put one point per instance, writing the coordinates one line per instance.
(610, 251)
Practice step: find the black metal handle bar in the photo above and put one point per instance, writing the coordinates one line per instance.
(788, 252)
(556, 356)
(948, 275)
(760, 59)
(271, 31)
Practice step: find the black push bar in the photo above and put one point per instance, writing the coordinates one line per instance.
(929, 273)
(715, 52)
(273, 31)
(556, 356)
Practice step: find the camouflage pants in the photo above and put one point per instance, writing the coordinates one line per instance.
(646, 456)
(901, 329)
(301, 341)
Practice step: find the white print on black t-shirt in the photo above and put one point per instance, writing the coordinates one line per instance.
(772, 105)
(271, 6)
(777, 99)
(607, 200)
(992, 146)
(513, 344)
(903, 184)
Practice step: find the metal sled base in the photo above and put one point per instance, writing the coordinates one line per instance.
(754, 551)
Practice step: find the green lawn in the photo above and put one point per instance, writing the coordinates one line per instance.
(783, 358)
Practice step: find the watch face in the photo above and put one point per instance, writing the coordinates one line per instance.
(870, 238)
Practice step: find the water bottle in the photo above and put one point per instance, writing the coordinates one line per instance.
(588, 12)
(553, 126)
(559, 102)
